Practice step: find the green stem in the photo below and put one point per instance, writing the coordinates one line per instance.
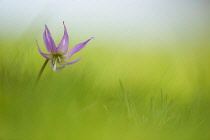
(41, 71)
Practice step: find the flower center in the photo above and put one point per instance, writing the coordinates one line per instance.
(57, 58)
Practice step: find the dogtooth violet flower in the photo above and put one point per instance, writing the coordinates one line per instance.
(59, 55)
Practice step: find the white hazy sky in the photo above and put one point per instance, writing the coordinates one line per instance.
(138, 19)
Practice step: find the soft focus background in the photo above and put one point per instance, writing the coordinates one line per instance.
(146, 75)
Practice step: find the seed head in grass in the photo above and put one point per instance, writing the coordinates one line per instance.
(59, 55)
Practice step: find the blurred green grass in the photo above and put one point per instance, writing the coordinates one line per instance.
(164, 94)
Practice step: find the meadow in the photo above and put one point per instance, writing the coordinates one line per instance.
(112, 93)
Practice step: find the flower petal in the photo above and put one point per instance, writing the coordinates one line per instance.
(63, 46)
(47, 56)
(59, 68)
(54, 67)
(48, 40)
(72, 62)
(77, 48)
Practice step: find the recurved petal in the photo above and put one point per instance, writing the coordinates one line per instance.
(55, 68)
(77, 48)
(51, 64)
(47, 56)
(48, 40)
(72, 62)
(59, 68)
(63, 46)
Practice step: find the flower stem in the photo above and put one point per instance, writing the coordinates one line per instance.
(41, 71)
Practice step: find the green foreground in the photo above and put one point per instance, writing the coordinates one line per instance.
(110, 94)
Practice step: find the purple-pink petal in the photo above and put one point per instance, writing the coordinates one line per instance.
(63, 46)
(77, 48)
(43, 54)
(48, 40)
(72, 62)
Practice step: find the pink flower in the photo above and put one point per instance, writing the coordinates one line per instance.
(58, 56)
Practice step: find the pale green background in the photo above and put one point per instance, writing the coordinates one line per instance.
(158, 50)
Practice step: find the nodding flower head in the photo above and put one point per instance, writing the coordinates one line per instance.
(59, 55)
